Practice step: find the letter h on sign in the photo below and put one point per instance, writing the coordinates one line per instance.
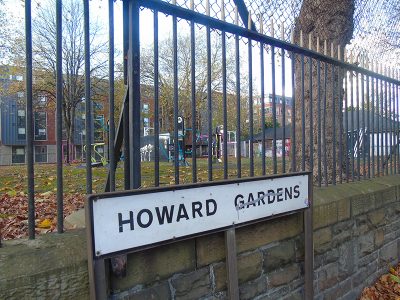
(122, 222)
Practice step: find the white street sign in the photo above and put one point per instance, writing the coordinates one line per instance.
(128, 221)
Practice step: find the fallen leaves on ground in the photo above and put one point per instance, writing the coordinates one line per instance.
(387, 287)
(14, 212)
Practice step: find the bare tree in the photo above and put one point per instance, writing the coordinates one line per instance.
(73, 53)
(166, 81)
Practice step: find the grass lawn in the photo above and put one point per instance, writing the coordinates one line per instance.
(13, 179)
(13, 188)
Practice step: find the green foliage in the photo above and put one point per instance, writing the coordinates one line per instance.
(269, 122)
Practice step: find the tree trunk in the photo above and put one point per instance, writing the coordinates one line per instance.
(333, 22)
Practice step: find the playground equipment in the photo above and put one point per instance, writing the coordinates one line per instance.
(145, 152)
(97, 159)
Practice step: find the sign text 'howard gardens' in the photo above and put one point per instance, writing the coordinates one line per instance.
(144, 217)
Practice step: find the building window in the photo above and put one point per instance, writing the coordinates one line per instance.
(40, 126)
(40, 154)
(18, 155)
(42, 100)
(21, 135)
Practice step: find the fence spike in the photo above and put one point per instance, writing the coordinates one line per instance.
(261, 24)
(272, 28)
(282, 31)
(208, 7)
(339, 52)
(325, 47)
(332, 50)
(192, 4)
(222, 10)
(236, 15)
(345, 54)
(174, 2)
(301, 38)
(310, 41)
(249, 21)
(292, 36)
(318, 44)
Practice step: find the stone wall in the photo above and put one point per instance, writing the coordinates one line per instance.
(356, 237)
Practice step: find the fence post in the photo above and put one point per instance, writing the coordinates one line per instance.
(134, 94)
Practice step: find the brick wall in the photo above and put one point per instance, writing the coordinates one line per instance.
(356, 237)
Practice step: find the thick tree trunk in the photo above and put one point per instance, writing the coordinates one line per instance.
(333, 22)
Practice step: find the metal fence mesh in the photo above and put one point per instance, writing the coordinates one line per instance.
(375, 22)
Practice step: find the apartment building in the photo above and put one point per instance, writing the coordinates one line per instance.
(13, 126)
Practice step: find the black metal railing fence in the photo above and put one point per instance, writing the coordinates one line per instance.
(342, 121)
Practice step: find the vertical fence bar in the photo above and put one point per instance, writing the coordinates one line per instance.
(125, 35)
(382, 129)
(209, 105)
(111, 127)
(275, 167)
(319, 121)
(283, 113)
(324, 123)
(59, 99)
(88, 102)
(176, 103)
(392, 123)
(373, 125)
(237, 69)
(125, 115)
(333, 126)
(303, 118)
(193, 97)
(29, 120)
(293, 142)
(346, 124)
(362, 131)
(156, 103)
(378, 138)
(389, 116)
(340, 105)
(134, 96)
(262, 107)
(225, 106)
(311, 117)
(368, 133)
(127, 158)
(251, 154)
(352, 146)
(386, 129)
(358, 142)
(394, 134)
(398, 125)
